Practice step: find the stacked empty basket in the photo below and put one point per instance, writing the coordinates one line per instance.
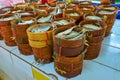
(19, 32)
(68, 59)
(41, 42)
(95, 31)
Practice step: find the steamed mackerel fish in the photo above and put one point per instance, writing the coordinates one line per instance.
(7, 18)
(93, 17)
(106, 12)
(26, 22)
(110, 8)
(70, 34)
(61, 22)
(40, 29)
(45, 19)
(90, 27)
(73, 14)
(84, 2)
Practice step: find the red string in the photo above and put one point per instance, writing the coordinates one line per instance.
(41, 54)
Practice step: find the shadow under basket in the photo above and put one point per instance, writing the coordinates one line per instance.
(93, 51)
(25, 49)
(43, 55)
(68, 66)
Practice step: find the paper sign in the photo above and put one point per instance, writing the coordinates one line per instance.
(38, 75)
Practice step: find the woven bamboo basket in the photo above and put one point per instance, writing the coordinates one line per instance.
(41, 36)
(64, 42)
(72, 22)
(19, 30)
(109, 21)
(94, 39)
(25, 49)
(95, 33)
(77, 19)
(93, 51)
(68, 66)
(6, 31)
(68, 52)
(44, 54)
(86, 10)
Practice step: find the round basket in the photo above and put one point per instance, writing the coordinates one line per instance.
(109, 21)
(64, 42)
(94, 33)
(41, 36)
(77, 19)
(68, 66)
(19, 30)
(6, 31)
(44, 54)
(25, 49)
(68, 52)
(93, 51)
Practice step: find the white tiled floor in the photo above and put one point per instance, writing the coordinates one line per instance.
(105, 67)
